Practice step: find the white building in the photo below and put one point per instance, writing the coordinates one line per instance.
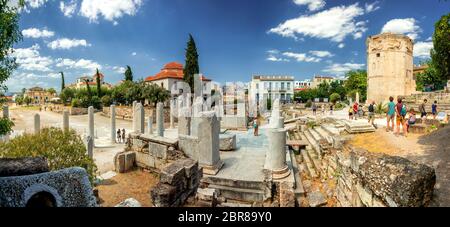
(302, 85)
(271, 87)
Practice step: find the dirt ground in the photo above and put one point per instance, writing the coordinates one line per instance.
(135, 184)
(431, 149)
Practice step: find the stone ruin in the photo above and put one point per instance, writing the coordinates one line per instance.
(27, 182)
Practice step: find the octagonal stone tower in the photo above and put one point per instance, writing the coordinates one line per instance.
(389, 67)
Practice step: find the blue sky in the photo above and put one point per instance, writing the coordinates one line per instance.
(235, 38)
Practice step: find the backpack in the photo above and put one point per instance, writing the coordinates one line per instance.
(404, 111)
(371, 109)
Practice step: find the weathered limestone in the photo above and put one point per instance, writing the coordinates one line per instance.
(172, 113)
(66, 120)
(37, 123)
(150, 125)
(160, 119)
(197, 108)
(133, 111)
(124, 161)
(389, 67)
(209, 153)
(276, 154)
(23, 166)
(113, 123)
(184, 121)
(6, 111)
(91, 122)
(276, 121)
(90, 146)
(227, 142)
(139, 120)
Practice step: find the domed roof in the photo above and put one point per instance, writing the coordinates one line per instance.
(173, 65)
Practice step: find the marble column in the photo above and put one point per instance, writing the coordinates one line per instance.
(37, 123)
(160, 119)
(133, 111)
(209, 143)
(91, 122)
(5, 111)
(276, 153)
(184, 121)
(66, 120)
(139, 122)
(90, 146)
(112, 110)
(172, 112)
(150, 125)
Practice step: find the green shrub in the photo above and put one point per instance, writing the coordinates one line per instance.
(339, 106)
(5, 126)
(62, 149)
(76, 102)
(106, 100)
(381, 108)
(308, 104)
(311, 124)
(334, 97)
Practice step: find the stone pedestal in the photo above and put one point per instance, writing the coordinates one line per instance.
(133, 111)
(209, 143)
(160, 119)
(37, 123)
(5, 111)
(184, 121)
(139, 120)
(90, 146)
(150, 125)
(112, 110)
(91, 122)
(66, 120)
(276, 154)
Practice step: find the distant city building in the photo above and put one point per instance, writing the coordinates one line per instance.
(271, 87)
(302, 85)
(389, 67)
(418, 69)
(82, 82)
(171, 74)
(39, 95)
(320, 79)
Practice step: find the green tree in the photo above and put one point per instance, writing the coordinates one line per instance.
(99, 85)
(9, 35)
(128, 74)
(27, 100)
(154, 94)
(89, 91)
(429, 79)
(323, 90)
(191, 67)
(440, 54)
(335, 97)
(63, 85)
(356, 82)
(51, 90)
(67, 95)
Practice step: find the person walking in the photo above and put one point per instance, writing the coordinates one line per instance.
(423, 112)
(118, 136)
(434, 109)
(372, 112)
(390, 115)
(323, 109)
(331, 109)
(255, 127)
(355, 110)
(350, 113)
(314, 108)
(400, 110)
(123, 135)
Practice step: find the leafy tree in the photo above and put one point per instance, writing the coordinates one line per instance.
(19, 100)
(9, 35)
(51, 91)
(67, 95)
(99, 85)
(5, 126)
(89, 91)
(128, 74)
(63, 85)
(430, 79)
(106, 100)
(440, 54)
(27, 100)
(24, 90)
(335, 97)
(154, 94)
(323, 90)
(63, 149)
(357, 82)
(191, 66)
(337, 86)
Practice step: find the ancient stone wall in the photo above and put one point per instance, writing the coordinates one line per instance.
(389, 67)
(125, 113)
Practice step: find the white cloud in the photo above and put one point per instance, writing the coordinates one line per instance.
(321, 54)
(371, 7)
(405, 26)
(35, 3)
(429, 39)
(65, 43)
(134, 54)
(341, 45)
(276, 59)
(301, 57)
(109, 9)
(30, 59)
(422, 49)
(78, 64)
(37, 33)
(119, 69)
(340, 69)
(68, 8)
(335, 24)
(313, 5)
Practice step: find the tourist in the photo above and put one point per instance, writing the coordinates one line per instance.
(372, 112)
(255, 126)
(411, 119)
(323, 109)
(355, 110)
(118, 136)
(331, 109)
(390, 114)
(314, 108)
(350, 112)
(434, 109)
(360, 111)
(400, 110)
(423, 112)
(123, 135)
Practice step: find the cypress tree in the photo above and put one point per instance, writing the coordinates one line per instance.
(128, 74)
(99, 85)
(63, 85)
(191, 66)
